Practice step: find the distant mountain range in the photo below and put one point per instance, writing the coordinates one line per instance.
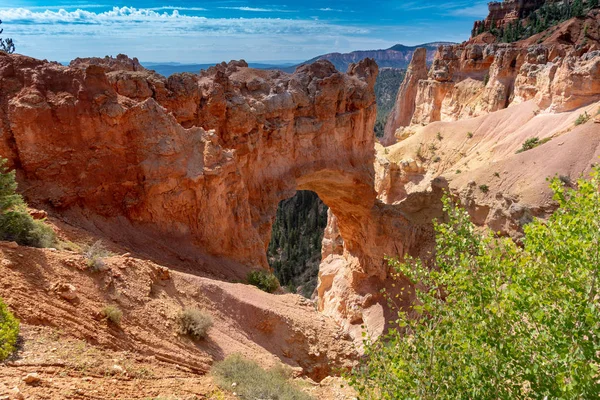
(167, 69)
(398, 56)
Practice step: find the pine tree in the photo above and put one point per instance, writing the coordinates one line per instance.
(6, 45)
(577, 8)
(15, 222)
(9, 199)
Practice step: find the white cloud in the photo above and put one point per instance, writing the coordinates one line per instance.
(60, 7)
(160, 35)
(255, 9)
(140, 21)
(177, 8)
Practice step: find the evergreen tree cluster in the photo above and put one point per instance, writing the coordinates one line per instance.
(6, 45)
(15, 222)
(545, 17)
(294, 252)
(386, 88)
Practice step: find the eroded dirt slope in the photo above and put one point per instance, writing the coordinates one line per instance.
(59, 301)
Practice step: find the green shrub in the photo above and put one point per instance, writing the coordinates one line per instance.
(532, 143)
(15, 222)
(195, 323)
(113, 314)
(67, 245)
(529, 144)
(484, 188)
(264, 280)
(253, 382)
(9, 331)
(469, 135)
(497, 174)
(439, 136)
(493, 320)
(582, 119)
(420, 152)
(94, 254)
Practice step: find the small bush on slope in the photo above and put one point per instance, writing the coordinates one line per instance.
(253, 382)
(9, 331)
(265, 281)
(15, 222)
(582, 118)
(532, 143)
(94, 254)
(496, 321)
(195, 323)
(113, 314)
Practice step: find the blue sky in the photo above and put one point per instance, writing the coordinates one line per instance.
(217, 30)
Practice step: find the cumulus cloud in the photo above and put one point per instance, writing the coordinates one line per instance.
(176, 8)
(138, 21)
(168, 34)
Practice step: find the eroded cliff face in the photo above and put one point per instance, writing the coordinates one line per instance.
(407, 96)
(201, 160)
(559, 69)
(195, 165)
(504, 12)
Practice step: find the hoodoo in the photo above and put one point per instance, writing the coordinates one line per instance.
(152, 200)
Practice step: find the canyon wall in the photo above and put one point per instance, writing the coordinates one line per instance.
(559, 69)
(202, 160)
(501, 13)
(195, 165)
(407, 96)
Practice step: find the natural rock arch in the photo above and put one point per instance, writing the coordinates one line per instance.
(194, 166)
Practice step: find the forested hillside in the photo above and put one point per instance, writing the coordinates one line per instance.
(386, 88)
(547, 16)
(295, 249)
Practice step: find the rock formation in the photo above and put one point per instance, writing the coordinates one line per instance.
(401, 115)
(501, 13)
(119, 63)
(198, 159)
(560, 71)
(195, 165)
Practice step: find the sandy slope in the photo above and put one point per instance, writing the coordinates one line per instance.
(156, 360)
(483, 151)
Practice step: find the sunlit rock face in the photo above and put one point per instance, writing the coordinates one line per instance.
(197, 164)
(559, 70)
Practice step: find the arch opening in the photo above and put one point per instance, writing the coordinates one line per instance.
(294, 251)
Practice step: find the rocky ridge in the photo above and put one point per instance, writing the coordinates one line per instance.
(559, 69)
(502, 13)
(397, 56)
